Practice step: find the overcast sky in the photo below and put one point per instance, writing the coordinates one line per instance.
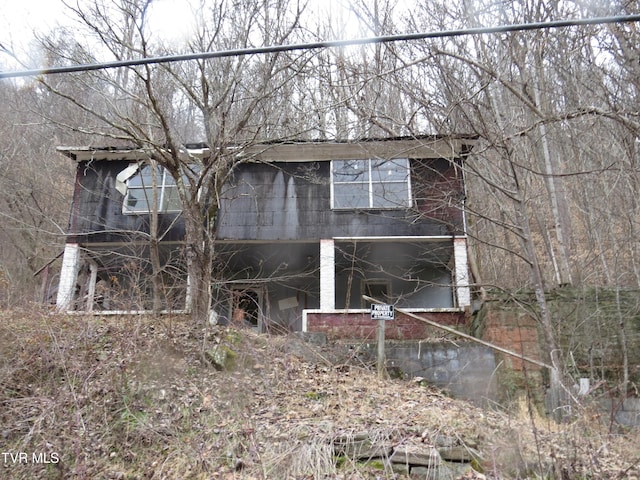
(21, 18)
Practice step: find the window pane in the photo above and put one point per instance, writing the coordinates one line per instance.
(389, 170)
(140, 180)
(168, 179)
(350, 171)
(390, 195)
(144, 177)
(171, 200)
(137, 199)
(351, 195)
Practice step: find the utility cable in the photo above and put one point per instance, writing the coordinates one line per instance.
(323, 44)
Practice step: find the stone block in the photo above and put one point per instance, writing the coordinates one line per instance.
(221, 357)
(458, 453)
(361, 446)
(412, 454)
(446, 471)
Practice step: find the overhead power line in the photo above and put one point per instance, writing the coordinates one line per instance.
(324, 44)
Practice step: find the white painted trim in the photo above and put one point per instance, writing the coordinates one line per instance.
(421, 147)
(127, 312)
(461, 272)
(434, 238)
(327, 274)
(68, 276)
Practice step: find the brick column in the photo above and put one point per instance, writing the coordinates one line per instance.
(68, 276)
(327, 274)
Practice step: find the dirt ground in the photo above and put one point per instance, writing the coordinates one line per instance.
(144, 397)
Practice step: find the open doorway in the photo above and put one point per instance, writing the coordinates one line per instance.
(379, 289)
(246, 307)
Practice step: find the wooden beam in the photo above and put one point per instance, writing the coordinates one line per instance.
(405, 148)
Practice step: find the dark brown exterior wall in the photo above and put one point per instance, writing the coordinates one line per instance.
(359, 326)
(274, 202)
(97, 216)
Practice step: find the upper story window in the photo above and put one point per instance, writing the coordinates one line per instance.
(370, 183)
(139, 197)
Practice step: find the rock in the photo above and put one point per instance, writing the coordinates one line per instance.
(360, 446)
(458, 453)
(446, 471)
(441, 440)
(318, 339)
(221, 357)
(306, 346)
(401, 469)
(432, 473)
(410, 454)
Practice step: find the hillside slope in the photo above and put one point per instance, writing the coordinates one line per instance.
(142, 397)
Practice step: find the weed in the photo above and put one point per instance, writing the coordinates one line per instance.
(87, 387)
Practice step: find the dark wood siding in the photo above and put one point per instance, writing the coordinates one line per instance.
(438, 192)
(291, 201)
(97, 211)
(275, 201)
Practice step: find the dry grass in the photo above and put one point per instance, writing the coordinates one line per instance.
(120, 398)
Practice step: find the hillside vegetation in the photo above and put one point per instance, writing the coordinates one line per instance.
(144, 397)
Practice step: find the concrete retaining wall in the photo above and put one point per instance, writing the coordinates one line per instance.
(624, 413)
(467, 370)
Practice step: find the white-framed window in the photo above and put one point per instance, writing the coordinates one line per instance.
(140, 192)
(370, 184)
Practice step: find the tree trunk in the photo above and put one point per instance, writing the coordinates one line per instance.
(199, 252)
(556, 386)
(623, 347)
(555, 189)
(154, 244)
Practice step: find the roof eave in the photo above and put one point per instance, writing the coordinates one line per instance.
(432, 146)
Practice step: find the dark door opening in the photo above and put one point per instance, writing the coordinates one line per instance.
(245, 308)
(378, 289)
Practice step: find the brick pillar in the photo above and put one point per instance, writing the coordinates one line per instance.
(461, 272)
(327, 274)
(514, 330)
(68, 276)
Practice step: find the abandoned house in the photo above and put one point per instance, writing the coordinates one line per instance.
(304, 230)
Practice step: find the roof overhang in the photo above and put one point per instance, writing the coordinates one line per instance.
(87, 154)
(299, 151)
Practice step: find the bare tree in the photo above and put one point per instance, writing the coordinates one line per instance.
(33, 199)
(227, 98)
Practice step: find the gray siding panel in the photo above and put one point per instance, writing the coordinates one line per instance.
(264, 202)
(290, 204)
(97, 211)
